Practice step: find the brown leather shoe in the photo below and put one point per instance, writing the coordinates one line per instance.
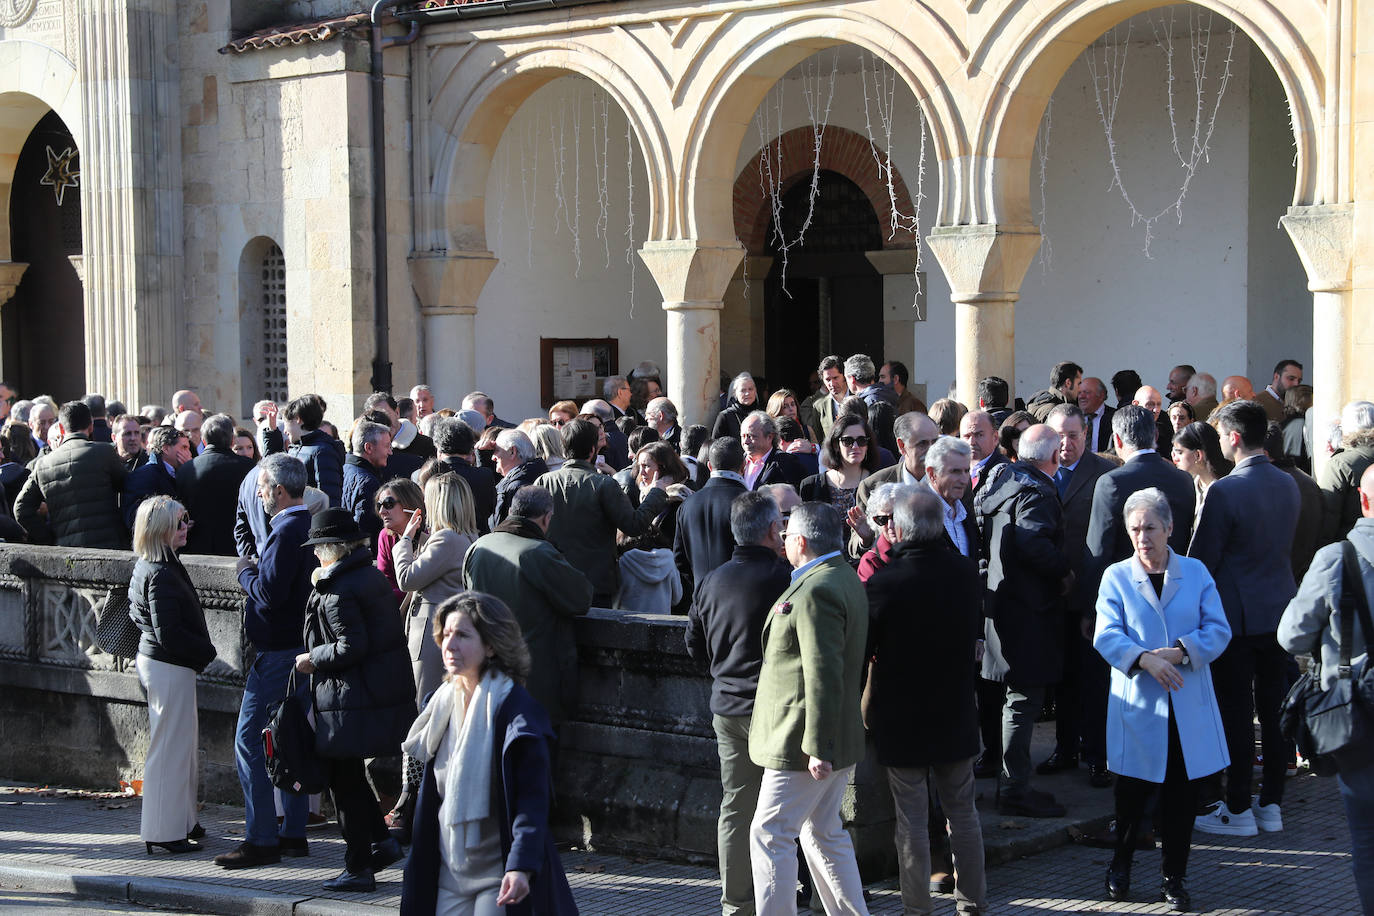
(246, 855)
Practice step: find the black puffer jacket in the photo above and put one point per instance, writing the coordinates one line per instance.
(164, 604)
(80, 481)
(363, 690)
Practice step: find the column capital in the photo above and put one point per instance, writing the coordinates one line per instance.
(984, 263)
(892, 261)
(78, 263)
(692, 274)
(1324, 235)
(449, 282)
(11, 272)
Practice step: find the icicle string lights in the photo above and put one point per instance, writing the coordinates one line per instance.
(1109, 76)
(883, 100)
(1042, 154)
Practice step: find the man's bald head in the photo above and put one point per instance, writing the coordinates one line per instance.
(1150, 398)
(186, 399)
(1367, 492)
(1237, 386)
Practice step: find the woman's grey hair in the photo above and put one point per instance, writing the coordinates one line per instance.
(735, 383)
(918, 514)
(880, 500)
(516, 441)
(938, 455)
(333, 553)
(1152, 500)
(1357, 417)
(548, 441)
(751, 515)
(820, 524)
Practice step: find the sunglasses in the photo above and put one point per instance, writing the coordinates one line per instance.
(388, 503)
(850, 441)
(882, 520)
(185, 522)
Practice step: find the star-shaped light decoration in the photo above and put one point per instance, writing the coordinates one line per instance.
(62, 172)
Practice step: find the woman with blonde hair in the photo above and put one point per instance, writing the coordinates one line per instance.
(482, 839)
(433, 571)
(548, 445)
(174, 647)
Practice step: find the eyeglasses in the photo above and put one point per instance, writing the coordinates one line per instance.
(851, 441)
(388, 503)
(185, 522)
(882, 520)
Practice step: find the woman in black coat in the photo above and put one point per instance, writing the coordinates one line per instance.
(482, 836)
(743, 400)
(174, 647)
(361, 684)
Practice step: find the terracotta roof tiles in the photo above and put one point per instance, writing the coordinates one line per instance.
(297, 33)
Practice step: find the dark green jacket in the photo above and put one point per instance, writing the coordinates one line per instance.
(80, 481)
(516, 564)
(807, 703)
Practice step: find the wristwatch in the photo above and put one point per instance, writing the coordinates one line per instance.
(1184, 649)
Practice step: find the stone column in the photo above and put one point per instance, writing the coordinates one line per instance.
(131, 198)
(11, 272)
(1324, 236)
(447, 283)
(693, 276)
(985, 266)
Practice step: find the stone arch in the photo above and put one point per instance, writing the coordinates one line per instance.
(745, 69)
(473, 125)
(34, 79)
(842, 151)
(1036, 55)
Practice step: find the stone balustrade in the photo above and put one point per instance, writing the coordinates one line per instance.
(637, 769)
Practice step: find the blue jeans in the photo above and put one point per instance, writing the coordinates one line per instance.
(1357, 795)
(265, 686)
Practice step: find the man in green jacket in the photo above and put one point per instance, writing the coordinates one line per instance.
(806, 731)
(518, 565)
(589, 507)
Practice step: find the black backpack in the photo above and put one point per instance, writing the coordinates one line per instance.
(289, 743)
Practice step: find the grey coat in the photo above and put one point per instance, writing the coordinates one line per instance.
(1313, 618)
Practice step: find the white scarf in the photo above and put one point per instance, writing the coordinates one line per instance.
(467, 786)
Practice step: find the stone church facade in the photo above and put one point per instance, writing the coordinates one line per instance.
(227, 204)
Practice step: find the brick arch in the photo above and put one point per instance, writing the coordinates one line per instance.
(842, 151)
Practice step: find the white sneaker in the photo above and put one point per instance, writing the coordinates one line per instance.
(1221, 821)
(1267, 817)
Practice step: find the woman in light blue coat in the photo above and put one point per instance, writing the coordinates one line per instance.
(1160, 624)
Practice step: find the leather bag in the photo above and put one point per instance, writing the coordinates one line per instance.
(115, 631)
(289, 745)
(1335, 727)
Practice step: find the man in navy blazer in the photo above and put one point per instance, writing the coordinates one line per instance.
(278, 585)
(764, 462)
(1245, 538)
(703, 539)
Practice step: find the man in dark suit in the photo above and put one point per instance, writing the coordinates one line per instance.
(1097, 415)
(1076, 479)
(168, 452)
(208, 487)
(703, 539)
(976, 428)
(915, 434)
(764, 462)
(456, 443)
(1245, 538)
(724, 630)
(1149, 397)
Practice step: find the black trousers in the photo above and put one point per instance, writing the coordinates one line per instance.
(1178, 807)
(360, 818)
(1080, 724)
(1251, 678)
(992, 696)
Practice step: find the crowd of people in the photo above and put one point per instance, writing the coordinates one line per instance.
(1131, 569)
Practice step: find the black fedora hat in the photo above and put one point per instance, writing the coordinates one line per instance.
(334, 526)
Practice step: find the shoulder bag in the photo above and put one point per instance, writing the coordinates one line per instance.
(289, 745)
(1335, 727)
(115, 631)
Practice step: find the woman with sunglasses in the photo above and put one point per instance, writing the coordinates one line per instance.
(395, 501)
(849, 455)
(174, 647)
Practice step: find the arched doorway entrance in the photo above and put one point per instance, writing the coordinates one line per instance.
(44, 349)
(828, 298)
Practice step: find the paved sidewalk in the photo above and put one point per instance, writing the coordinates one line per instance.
(79, 844)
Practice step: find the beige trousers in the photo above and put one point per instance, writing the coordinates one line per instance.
(170, 774)
(792, 804)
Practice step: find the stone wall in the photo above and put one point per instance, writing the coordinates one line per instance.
(637, 769)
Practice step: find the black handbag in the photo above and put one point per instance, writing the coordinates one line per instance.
(115, 632)
(1336, 726)
(289, 743)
